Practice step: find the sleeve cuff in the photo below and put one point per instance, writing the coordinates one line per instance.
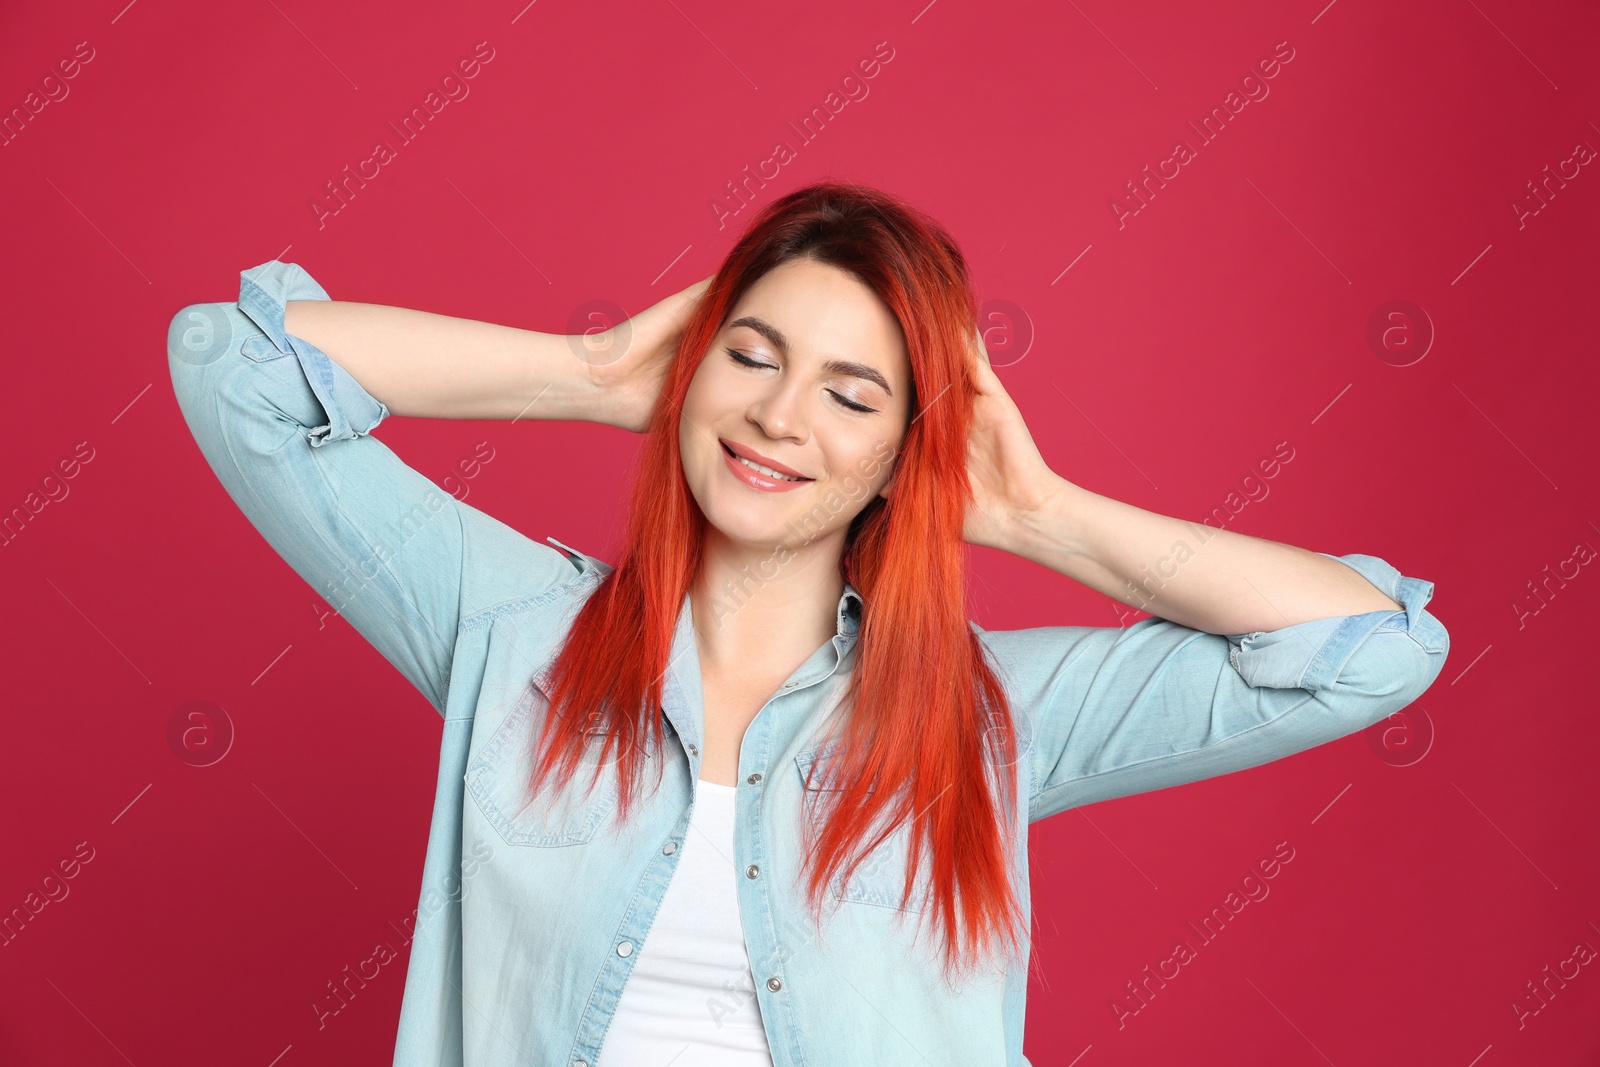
(263, 291)
(1311, 655)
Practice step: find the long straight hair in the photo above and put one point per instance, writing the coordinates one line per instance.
(924, 711)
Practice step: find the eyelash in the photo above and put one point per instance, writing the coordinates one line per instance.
(744, 360)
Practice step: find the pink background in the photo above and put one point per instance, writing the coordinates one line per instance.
(1437, 867)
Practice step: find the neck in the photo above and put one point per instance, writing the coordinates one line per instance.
(756, 609)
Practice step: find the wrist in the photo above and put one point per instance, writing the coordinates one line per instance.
(612, 395)
(564, 378)
(1047, 520)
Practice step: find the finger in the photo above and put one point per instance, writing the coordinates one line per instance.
(983, 371)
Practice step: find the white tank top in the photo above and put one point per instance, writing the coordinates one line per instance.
(691, 998)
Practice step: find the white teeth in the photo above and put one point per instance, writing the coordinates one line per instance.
(768, 471)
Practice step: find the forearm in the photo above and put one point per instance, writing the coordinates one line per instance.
(1195, 575)
(436, 366)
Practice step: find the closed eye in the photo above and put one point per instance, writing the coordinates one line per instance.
(740, 357)
(746, 361)
(851, 404)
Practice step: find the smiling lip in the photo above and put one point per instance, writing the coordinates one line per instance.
(754, 478)
(756, 457)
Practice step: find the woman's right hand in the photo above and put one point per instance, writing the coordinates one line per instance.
(649, 341)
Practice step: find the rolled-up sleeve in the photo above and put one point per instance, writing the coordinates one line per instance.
(1106, 712)
(287, 432)
(351, 410)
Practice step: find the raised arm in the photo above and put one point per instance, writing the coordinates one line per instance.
(436, 366)
(1106, 712)
(1215, 581)
(288, 432)
(1261, 650)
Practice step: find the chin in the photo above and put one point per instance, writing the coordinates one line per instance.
(747, 528)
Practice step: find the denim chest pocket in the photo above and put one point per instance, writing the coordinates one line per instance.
(880, 878)
(497, 780)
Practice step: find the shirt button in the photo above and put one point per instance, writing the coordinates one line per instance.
(625, 949)
(754, 778)
(790, 685)
(752, 871)
(693, 751)
(669, 848)
(774, 984)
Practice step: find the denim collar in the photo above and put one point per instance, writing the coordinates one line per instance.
(683, 695)
(847, 619)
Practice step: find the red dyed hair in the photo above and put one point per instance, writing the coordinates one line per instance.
(925, 711)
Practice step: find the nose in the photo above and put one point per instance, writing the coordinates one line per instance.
(781, 412)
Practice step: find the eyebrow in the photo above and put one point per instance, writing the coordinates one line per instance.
(834, 366)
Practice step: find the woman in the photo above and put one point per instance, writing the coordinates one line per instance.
(797, 754)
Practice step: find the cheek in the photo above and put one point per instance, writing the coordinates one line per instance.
(712, 401)
(691, 398)
(865, 464)
(694, 427)
(705, 386)
(876, 458)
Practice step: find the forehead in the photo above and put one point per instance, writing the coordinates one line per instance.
(824, 312)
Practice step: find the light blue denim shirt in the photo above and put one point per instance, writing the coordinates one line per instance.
(528, 924)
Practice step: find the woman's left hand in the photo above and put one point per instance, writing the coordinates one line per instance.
(1009, 477)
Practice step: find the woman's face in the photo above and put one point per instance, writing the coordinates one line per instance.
(809, 376)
